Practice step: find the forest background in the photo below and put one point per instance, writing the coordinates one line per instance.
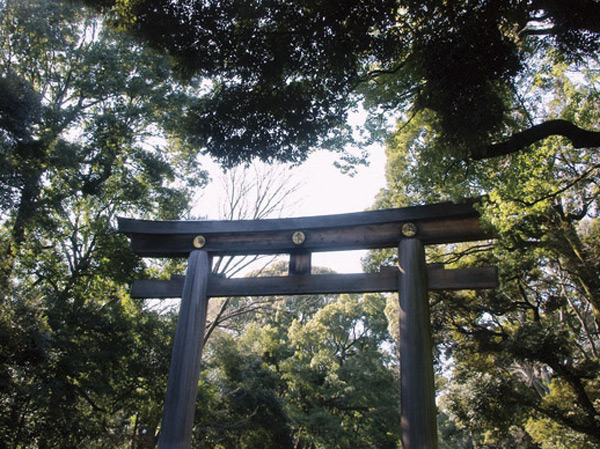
(106, 109)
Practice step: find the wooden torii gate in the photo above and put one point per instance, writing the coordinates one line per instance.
(408, 229)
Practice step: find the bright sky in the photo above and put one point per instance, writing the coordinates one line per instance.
(323, 190)
(328, 191)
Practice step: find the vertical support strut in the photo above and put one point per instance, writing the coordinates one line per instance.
(300, 263)
(418, 411)
(184, 372)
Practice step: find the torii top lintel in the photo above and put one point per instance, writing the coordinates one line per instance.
(434, 223)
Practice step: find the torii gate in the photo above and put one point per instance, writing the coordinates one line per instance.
(408, 228)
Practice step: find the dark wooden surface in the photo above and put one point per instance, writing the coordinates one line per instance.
(184, 371)
(386, 281)
(300, 263)
(438, 223)
(449, 230)
(413, 213)
(417, 391)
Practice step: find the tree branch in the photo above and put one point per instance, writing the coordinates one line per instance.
(580, 138)
(571, 15)
(537, 31)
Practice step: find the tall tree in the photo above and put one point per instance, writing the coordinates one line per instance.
(524, 358)
(341, 377)
(254, 192)
(87, 131)
(307, 374)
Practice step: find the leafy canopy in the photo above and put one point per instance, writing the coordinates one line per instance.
(280, 77)
(87, 131)
(521, 362)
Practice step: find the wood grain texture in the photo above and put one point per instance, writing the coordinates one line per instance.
(300, 263)
(417, 395)
(387, 281)
(425, 212)
(184, 371)
(448, 230)
(440, 223)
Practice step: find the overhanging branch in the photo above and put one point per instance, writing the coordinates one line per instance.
(579, 137)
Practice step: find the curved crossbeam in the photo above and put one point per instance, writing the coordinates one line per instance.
(436, 223)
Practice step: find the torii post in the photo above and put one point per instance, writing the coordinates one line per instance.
(408, 228)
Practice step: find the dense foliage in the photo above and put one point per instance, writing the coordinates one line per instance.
(282, 76)
(521, 363)
(301, 372)
(106, 116)
(85, 121)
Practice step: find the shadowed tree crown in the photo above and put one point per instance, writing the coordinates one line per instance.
(281, 77)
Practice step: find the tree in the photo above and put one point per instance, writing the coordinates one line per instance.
(282, 76)
(87, 131)
(82, 117)
(342, 387)
(522, 360)
(240, 403)
(307, 374)
(255, 192)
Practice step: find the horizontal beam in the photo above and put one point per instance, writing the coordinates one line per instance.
(385, 281)
(437, 223)
(372, 217)
(359, 237)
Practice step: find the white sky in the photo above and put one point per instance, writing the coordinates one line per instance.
(328, 191)
(323, 190)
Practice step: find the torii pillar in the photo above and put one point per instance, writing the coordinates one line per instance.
(184, 371)
(417, 390)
